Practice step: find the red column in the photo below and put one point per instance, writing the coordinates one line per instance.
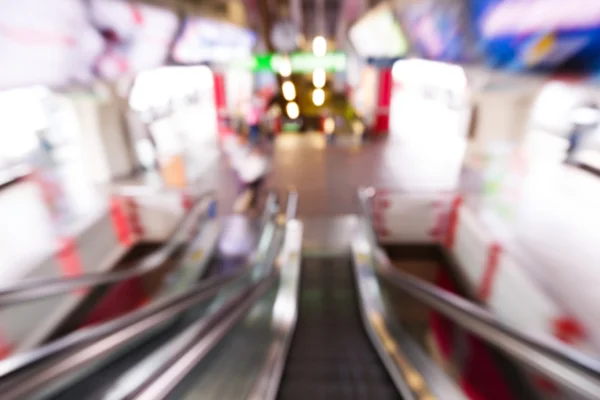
(220, 101)
(384, 97)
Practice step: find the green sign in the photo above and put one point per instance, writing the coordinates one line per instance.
(300, 62)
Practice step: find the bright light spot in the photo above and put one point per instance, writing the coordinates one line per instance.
(289, 90)
(292, 110)
(329, 125)
(358, 127)
(285, 67)
(155, 88)
(318, 97)
(418, 73)
(585, 116)
(320, 46)
(319, 78)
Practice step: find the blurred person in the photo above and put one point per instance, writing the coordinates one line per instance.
(584, 120)
(251, 171)
(46, 154)
(253, 120)
(236, 244)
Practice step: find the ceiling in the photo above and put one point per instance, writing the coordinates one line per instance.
(329, 18)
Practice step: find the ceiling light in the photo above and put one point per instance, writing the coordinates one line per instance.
(292, 110)
(319, 78)
(285, 67)
(289, 90)
(319, 46)
(318, 97)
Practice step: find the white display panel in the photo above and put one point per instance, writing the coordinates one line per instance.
(142, 35)
(429, 115)
(205, 40)
(239, 86)
(378, 35)
(46, 42)
(185, 98)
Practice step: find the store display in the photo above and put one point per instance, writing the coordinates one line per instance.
(205, 40)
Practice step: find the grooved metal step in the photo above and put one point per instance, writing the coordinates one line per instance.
(331, 356)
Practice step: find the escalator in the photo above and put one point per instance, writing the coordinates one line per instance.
(149, 350)
(99, 383)
(318, 326)
(331, 355)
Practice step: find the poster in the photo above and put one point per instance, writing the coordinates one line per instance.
(53, 34)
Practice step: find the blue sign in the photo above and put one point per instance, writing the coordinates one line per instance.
(538, 34)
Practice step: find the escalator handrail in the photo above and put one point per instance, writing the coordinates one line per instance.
(136, 191)
(438, 298)
(74, 348)
(162, 385)
(34, 289)
(561, 364)
(292, 204)
(76, 339)
(19, 362)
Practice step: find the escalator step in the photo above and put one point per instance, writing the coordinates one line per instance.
(331, 356)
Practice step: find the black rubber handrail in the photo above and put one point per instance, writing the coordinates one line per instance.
(198, 293)
(19, 362)
(482, 322)
(35, 289)
(160, 386)
(32, 381)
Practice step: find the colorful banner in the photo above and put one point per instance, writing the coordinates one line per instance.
(205, 40)
(539, 34)
(437, 30)
(137, 36)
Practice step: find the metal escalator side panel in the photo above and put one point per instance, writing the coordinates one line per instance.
(284, 313)
(162, 358)
(269, 236)
(574, 370)
(413, 374)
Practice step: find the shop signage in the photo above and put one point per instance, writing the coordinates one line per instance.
(205, 40)
(300, 62)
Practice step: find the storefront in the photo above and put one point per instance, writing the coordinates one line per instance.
(430, 111)
(175, 120)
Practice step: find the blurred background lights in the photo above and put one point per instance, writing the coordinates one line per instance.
(292, 110)
(289, 90)
(285, 68)
(318, 97)
(319, 46)
(319, 78)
